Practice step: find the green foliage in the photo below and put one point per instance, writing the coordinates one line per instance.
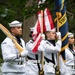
(1, 59)
(19, 9)
(70, 4)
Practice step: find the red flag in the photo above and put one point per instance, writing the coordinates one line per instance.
(36, 43)
(47, 26)
(48, 22)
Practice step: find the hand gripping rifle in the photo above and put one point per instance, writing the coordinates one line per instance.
(7, 32)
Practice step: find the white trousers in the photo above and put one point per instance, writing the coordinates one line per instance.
(48, 69)
(49, 74)
(69, 71)
(31, 68)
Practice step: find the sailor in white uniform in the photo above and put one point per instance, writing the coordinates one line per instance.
(33, 63)
(14, 61)
(50, 50)
(70, 55)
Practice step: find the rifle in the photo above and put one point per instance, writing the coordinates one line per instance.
(7, 32)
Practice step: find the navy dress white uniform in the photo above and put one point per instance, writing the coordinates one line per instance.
(31, 66)
(14, 64)
(50, 51)
(70, 55)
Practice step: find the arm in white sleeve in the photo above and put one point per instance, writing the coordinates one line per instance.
(42, 46)
(8, 55)
(53, 49)
(29, 45)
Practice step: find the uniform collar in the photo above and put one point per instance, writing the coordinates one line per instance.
(52, 42)
(71, 46)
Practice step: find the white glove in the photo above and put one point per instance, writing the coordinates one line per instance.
(43, 36)
(58, 34)
(24, 53)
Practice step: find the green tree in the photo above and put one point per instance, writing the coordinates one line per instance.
(20, 9)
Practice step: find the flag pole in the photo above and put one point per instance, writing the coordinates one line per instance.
(58, 52)
(42, 54)
(58, 14)
(42, 13)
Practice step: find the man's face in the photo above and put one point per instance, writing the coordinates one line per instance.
(50, 35)
(16, 31)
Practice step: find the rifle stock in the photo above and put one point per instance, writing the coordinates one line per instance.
(7, 32)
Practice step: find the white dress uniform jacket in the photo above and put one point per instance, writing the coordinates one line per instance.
(69, 62)
(31, 67)
(12, 64)
(49, 48)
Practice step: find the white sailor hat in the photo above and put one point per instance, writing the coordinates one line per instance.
(15, 23)
(70, 34)
(52, 30)
(32, 28)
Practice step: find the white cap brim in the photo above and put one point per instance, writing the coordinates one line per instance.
(15, 25)
(70, 34)
(52, 30)
(32, 28)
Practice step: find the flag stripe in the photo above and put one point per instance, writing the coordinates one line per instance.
(50, 18)
(36, 44)
(46, 19)
(47, 26)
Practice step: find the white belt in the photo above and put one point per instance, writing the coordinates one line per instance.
(33, 61)
(50, 64)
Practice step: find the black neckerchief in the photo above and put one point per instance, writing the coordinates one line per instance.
(71, 49)
(20, 43)
(19, 40)
(71, 46)
(52, 42)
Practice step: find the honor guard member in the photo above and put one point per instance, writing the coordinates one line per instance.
(70, 55)
(50, 50)
(14, 61)
(32, 67)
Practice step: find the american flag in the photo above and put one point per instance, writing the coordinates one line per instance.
(47, 26)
